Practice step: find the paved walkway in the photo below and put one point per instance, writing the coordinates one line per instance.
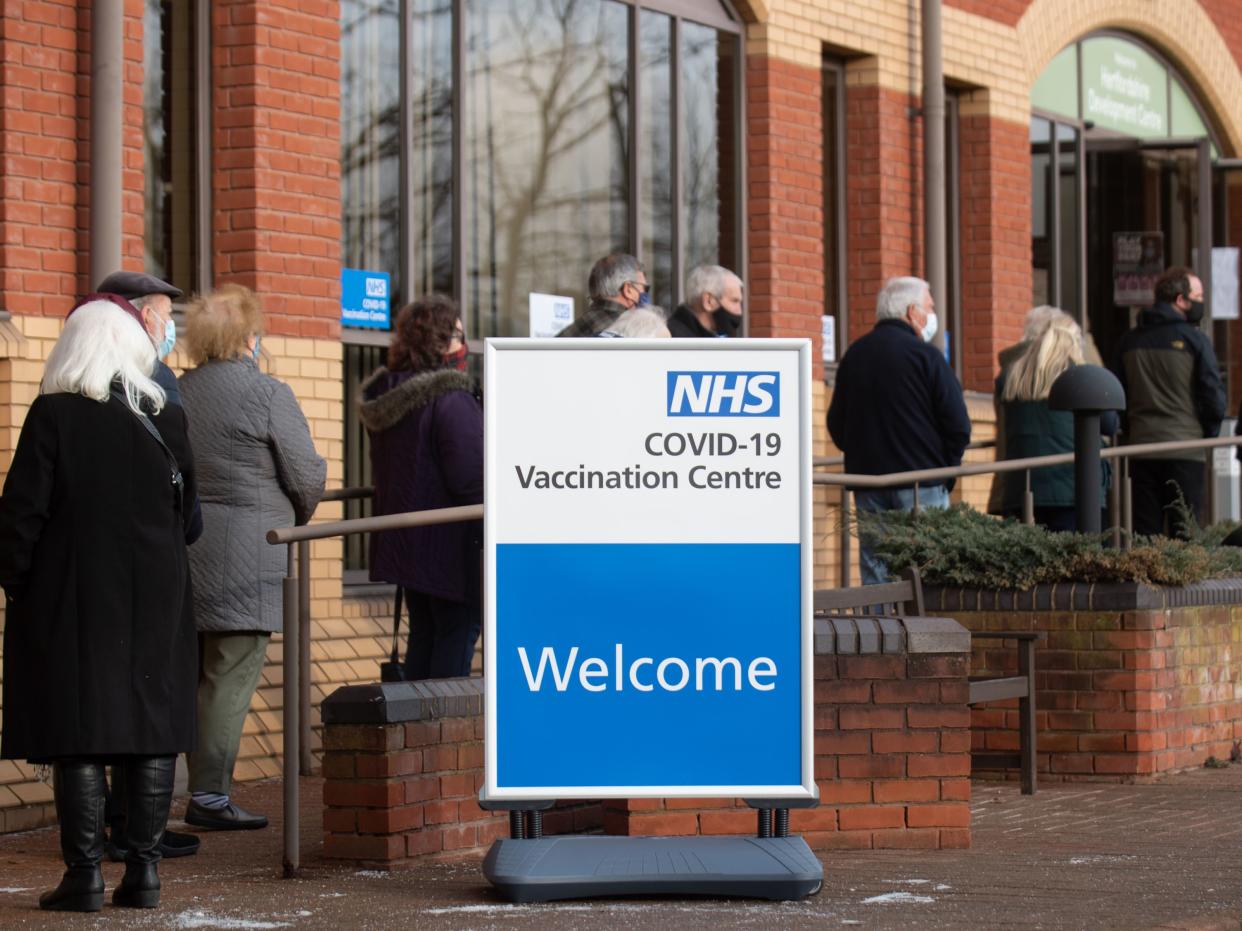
(1084, 856)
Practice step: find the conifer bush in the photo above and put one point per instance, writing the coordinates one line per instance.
(961, 547)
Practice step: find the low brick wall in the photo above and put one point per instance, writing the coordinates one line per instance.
(1132, 681)
(403, 761)
(892, 745)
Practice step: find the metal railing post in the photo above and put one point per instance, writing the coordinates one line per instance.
(306, 760)
(844, 574)
(1028, 501)
(915, 509)
(1127, 505)
(1114, 508)
(292, 855)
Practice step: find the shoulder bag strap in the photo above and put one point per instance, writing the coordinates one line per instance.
(174, 470)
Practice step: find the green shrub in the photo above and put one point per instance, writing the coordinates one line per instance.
(962, 547)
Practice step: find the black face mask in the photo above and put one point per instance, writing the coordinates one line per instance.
(1195, 314)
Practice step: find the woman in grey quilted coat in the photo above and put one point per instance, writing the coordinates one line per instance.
(258, 469)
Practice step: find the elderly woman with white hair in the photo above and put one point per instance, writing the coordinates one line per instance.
(100, 660)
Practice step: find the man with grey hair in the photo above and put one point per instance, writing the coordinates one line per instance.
(897, 407)
(713, 304)
(617, 283)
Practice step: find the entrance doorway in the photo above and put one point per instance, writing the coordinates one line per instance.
(1160, 191)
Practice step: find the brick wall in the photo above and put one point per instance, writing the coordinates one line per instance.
(785, 205)
(1125, 692)
(996, 245)
(892, 758)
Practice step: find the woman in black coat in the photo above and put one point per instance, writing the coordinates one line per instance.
(100, 654)
(426, 428)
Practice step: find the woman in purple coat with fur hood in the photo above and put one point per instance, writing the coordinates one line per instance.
(426, 428)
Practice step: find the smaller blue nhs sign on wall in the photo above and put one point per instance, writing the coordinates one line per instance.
(365, 299)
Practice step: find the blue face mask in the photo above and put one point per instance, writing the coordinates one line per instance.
(254, 353)
(643, 299)
(170, 339)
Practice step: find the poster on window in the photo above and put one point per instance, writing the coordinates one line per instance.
(1225, 283)
(549, 314)
(1138, 260)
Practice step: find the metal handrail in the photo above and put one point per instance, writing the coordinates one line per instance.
(295, 716)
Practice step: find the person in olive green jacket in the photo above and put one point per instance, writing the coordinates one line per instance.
(1032, 428)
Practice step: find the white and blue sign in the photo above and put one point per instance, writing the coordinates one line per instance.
(365, 299)
(649, 569)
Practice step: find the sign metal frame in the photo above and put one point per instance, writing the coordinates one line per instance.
(807, 790)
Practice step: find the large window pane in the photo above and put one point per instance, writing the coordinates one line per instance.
(371, 137)
(170, 214)
(656, 152)
(545, 150)
(700, 61)
(431, 146)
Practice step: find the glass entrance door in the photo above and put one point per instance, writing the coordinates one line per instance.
(1158, 193)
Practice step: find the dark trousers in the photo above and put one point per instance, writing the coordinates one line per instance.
(1154, 488)
(442, 636)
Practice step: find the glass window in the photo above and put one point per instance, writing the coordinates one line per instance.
(170, 231)
(370, 137)
(656, 121)
(545, 151)
(501, 147)
(1070, 248)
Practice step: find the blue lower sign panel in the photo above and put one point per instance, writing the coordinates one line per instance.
(638, 665)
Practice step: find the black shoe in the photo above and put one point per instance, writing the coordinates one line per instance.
(78, 788)
(229, 818)
(173, 844)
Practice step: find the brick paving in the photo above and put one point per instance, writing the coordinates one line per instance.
(1079, 856)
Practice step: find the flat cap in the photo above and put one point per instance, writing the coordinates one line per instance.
(136, 284)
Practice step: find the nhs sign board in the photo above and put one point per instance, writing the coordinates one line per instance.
(648, 576)
(724, 394)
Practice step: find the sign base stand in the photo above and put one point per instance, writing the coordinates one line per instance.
(577, 867)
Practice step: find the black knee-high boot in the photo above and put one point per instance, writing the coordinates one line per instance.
(147, 783)
(78, 787)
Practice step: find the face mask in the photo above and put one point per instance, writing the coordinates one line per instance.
(1195, 314)
(254, 353)
(929, 328)
(643, 299)
(170, 339)
(456, 360)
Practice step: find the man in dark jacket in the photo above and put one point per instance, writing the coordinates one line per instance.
(617, 283)
(1173, 392)
(713, 305)
(897, 407)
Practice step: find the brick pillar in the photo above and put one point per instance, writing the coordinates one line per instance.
(785, 206)
(996, 240)
(276, 144)
(883, 191)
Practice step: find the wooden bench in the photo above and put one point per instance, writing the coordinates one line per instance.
(904, 598)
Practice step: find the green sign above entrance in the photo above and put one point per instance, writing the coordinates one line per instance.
(1119, 86)
(1124, 88)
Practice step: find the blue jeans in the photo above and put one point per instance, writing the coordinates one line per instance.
(877, 500)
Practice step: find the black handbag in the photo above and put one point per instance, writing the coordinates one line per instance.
(394, 670)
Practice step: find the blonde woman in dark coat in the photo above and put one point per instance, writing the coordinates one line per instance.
(99, 644)
(258, 469)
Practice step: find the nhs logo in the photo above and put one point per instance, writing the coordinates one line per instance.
(377, 287)
(724, 394)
